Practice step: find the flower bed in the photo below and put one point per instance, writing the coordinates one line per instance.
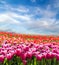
(29, 54)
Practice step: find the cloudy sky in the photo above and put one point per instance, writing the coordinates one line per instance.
(30, 16)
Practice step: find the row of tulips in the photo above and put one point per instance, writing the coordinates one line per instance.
(13, 37)
(29, 54)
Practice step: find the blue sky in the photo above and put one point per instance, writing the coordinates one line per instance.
(30, 16)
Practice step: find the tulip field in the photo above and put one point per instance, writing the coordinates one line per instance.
(21, 49)
(22, 38)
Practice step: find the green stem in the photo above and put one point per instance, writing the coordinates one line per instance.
(54, 61)
(57, 62)
(19, 62)
(1, 63)
(38, 62)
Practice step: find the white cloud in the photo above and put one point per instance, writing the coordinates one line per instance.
(55, 3)
(33, 25)
(4, 5)
(48, 13)
(22, 9)
(43, 24)
(5, 17)
(23, 17)
(28, 22)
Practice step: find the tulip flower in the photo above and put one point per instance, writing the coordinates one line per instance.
(24, 62)
(49, 56)
(4, 52)
(18, 52)
(2, 58)
(57, 57)
(9, 56)
(29, 55)
(39, 57)
(23, 56)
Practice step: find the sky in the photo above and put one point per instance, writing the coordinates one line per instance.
(30, 16)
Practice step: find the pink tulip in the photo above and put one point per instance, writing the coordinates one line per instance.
(24, 51)
(36, 53)
(4, 52)
(49, 55)
(26, 48)
(39, 57)
(24, 62)
(54, 50)
(2, 58)
(23, 56)
(44, 55)
(18, 52)
(41, 46)
(57, 57)
(9, 56)
(29, 54)
(12, 52)
(6, 45)
(33, 49)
